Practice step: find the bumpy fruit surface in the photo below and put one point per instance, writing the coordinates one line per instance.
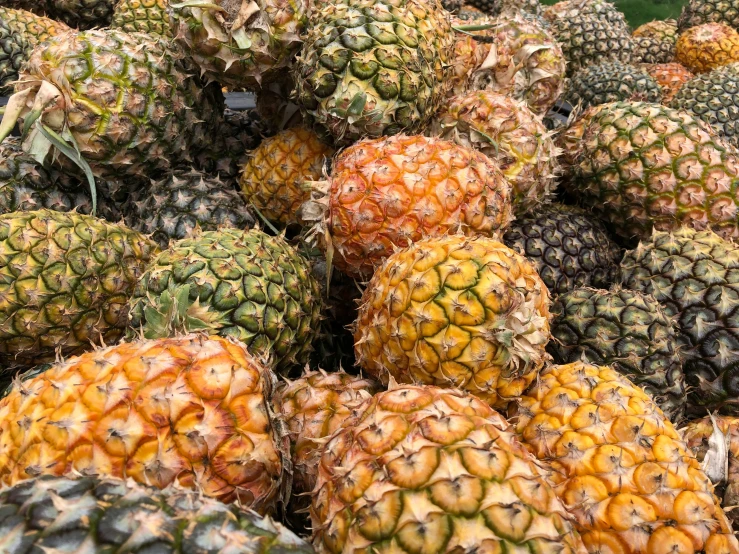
(693, 274)
(620, 466)
(610, 82)
(66, 279)
(127, 100)
(191, 410)
(81, 14)
(655, 41)
(509, 133)
(313, 407)
(111, 515)
(237, 42)
(386, 193)
(458, 312)
(662, 30)
(241, 284)
(626, 330)
(641, 166)
(425, 469)
(669, 76)
(374, 67)
(569, 247)
(698, 12)
(707, 47)
(142, 16)
(36, 29)
(275, 177)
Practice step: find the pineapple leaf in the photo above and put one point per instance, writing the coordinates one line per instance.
(173, 313)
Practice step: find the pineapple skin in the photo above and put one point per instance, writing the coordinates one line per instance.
(707, 47)
(670, 76)
(82, 14)
(698, 12)
(143, 16)
(191, 410)
(110, 515)
(66, 279)
(426, 469)
(619, 466)
(611, 82)
(386, 193)
(458, 312)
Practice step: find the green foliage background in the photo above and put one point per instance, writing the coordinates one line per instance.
(641, 11)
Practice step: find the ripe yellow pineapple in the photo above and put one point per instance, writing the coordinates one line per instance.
(669, 76)
(274, 177)
(707, 47)
(620, 466)
(428, 470)
(460, 312)
(190, 410)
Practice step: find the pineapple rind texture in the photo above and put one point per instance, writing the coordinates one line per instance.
(66, 280)
(626, 330)
(698, 12)
(670, 76)
(425, 469)
(113, 515)
(693, 274)
(611, 82)
(707, 47)
(619, 465)
(190, 410)
(641, 166)
(82, 14)
(143, 16)
(14, 53)
(241, 284)
(459, 312)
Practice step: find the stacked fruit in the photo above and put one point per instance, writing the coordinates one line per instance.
(343, 308)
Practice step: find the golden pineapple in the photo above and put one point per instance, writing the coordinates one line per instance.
(190, 410)
(459, 312)
(669, 76)
(619, 465)
(428, 470)
(707, 47)
(273, 179)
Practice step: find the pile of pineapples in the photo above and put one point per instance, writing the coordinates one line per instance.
(402, 306)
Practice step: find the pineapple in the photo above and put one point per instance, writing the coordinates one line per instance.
(712, 97)
(82, 14)
(238, 43)
(634, 165)
(663, 31)
(509, 133)
(496, 7)
(374, 67)
(626, 330)
(693, 274)
(313, 407)
(386, 193)
(610, 82)
(458, 312)
(35, 28)
(596, 8)
(172, 208)
(655, 41)
(142, 16)
(670, 77)
(191, 410)
(620, 466)
(698, 12)
(715, 442)
(273, 178)
(66, 280)
(112, 515)
(134, 110)
(241, 284)
(425, 469)
(707, 47)
(569, 247)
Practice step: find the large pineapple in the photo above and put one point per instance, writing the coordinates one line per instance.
(569, 247)
(174, 207)
(48, 514)
(191, 410)
(715, 442)
(35, 28)
(459, 312)
(602, 9)
(661, 30)
(698, 12)
(66, 279)
(655, 41)
(707, 47)
(670, 77)
(626, 330)
(275, 176)
(142, 16)
(635, 165)
(240, 43)
(694, 275)
(610, 82)
(509, 133)
(374, 67)
(620, 466)
(81, 14)
(241, 284)
(386, 193)
(128, 103)
(425, 469)
(713, 98)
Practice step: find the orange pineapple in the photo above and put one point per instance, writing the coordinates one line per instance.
(707, 47)
(670, 76)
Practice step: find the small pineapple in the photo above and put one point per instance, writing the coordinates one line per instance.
(707, 47)
(610, 82)
(456, 312)
(275, 176)
(670, 77)
(386, 193)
